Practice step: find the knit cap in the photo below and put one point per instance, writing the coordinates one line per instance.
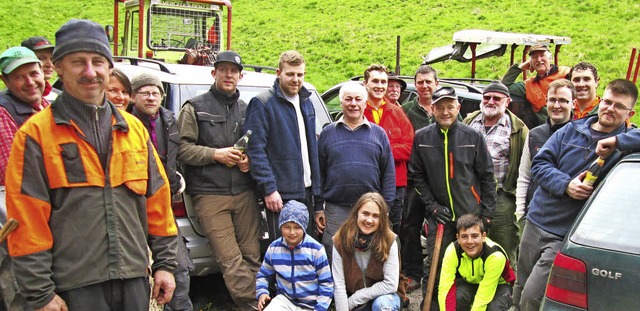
(81, 35)
(497, 86)
(145, 79)
(296, 212)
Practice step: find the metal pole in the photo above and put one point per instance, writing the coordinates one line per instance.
(397, 55)
(633, 56)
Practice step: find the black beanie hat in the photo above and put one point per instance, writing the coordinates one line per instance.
(497, 86)
(81, 35)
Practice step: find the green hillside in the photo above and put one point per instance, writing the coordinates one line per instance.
(340, 38)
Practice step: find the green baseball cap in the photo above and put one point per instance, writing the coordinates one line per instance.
(15, 57)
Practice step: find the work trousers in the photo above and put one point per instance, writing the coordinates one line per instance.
(232, 225)
(504, 228)
(181, 300)
(413, 219)
(129, 294)
(466, 293)
(272, 218)
(334, 215)
(396, 210)
(538, 249)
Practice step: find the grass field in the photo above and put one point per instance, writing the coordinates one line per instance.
(340, 38)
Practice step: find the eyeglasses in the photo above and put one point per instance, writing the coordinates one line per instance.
(561, 101)
(495, 98)
(149, 94)
(617, 107)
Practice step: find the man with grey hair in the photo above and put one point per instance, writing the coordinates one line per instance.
(505, 134)
(89, 192)
(355, 158)
(530, 97)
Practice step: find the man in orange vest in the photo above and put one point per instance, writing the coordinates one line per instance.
(535, 87)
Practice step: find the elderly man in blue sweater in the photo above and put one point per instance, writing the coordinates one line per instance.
(355, 158)
(559, 168)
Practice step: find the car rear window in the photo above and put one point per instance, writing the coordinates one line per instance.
(611, 220)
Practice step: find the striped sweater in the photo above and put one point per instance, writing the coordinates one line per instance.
(302, 274)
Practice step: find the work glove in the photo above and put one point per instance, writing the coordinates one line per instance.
(441, 214)
(486, 222)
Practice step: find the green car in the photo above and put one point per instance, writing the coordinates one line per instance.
(598, 266)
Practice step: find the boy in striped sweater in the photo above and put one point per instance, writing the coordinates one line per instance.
(299, 265)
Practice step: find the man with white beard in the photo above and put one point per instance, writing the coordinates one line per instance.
(505, 135)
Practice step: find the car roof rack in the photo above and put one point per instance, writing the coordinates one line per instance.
(136, 61)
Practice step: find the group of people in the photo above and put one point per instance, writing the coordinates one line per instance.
(91, 184)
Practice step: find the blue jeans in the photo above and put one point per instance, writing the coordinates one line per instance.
(388, 302)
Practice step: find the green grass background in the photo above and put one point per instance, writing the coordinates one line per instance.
(340, 38)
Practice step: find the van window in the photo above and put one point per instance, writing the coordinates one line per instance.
(610, 221)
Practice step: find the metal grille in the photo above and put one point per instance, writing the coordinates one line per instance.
(178, 28)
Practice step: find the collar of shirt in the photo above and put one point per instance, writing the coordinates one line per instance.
(577, 114)
(377, 113)
(364, 122)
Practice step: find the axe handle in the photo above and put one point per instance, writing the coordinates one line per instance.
(434, 268)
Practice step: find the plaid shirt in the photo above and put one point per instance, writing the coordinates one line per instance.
(498, 143)
(8, 129)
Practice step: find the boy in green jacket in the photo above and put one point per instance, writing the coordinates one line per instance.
(475, 274)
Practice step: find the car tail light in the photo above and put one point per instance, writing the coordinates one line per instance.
(178, 207)
(568, 281)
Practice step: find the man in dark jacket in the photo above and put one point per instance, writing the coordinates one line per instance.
(560, 102)
(283, 148)
(559, 169)
(218, 180)
(147, 94)
(452, 173)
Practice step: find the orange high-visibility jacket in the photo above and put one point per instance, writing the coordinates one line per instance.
(80, 223)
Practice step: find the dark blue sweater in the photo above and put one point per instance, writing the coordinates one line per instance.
(354, 162)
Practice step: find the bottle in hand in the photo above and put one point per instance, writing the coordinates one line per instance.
(242, 143)
(593, 172)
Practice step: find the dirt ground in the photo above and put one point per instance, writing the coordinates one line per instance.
(209, 294)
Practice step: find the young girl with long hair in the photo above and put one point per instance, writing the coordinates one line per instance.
(366, 263)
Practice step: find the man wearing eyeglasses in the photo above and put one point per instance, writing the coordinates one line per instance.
(560, 102)
(147, 95)
(451, 171)
(218, 178)
(559, 169)
(505, 134)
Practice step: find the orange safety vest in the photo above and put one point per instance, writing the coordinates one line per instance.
(536, 88)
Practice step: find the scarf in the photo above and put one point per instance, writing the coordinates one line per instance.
(363, 241)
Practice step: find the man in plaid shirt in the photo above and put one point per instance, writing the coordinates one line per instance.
(505, 135)
(21, 72)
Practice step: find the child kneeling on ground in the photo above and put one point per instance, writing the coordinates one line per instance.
(299, 264)
(476, 274)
